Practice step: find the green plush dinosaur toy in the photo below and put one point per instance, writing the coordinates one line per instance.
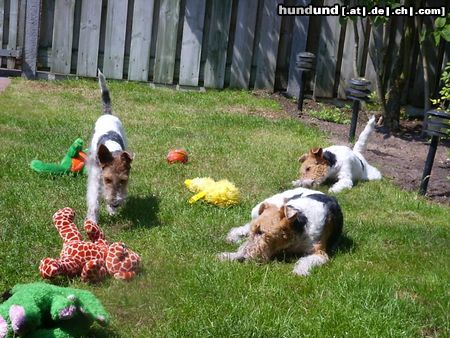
(44, 310)
(73, 162)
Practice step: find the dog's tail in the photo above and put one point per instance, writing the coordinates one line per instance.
(106, 99)
(360, 145)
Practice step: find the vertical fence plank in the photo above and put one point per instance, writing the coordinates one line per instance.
(166, 41)
(217, 43)
(191, 45)
(243, 44)
(2, 13)
(298, 45)
(268, 46)
(116, 24)
(62, 36)
(21, 24)
(327, 54)
(46, 27)
(348, 58)
(346, 71)
(141, 38)
(12, 33)
(88, 43)
(31, 38)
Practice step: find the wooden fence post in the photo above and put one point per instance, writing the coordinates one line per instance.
(244, 37)
(327, 54)
(191, 45)
(115, 33)
(216, 56)
(299, 38)
(12, 35)
(62, 36)
(88, 42)
(33, 16)
(2, 12)
(141, 38)
(166, 41)
(269, 39)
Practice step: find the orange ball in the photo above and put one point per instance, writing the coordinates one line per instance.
(177, 155)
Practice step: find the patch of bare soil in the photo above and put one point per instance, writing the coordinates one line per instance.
(399, 156)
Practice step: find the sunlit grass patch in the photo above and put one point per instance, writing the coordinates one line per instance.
(389, 277)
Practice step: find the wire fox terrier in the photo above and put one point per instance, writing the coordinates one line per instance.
(339, 164)
(297, 221)
(109, 163)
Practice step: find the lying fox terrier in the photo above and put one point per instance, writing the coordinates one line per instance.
(298, 221)
(109, 163)
(339, 164)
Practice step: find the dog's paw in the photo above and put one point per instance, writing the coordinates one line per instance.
(305, 183)
(111, 210)
(301, 271)
(233, 237)
(333, 190)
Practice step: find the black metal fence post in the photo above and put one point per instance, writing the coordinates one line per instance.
(436, 124)
(305, 63)
(358, 91)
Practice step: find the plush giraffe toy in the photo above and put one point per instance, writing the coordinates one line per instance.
(92, 260)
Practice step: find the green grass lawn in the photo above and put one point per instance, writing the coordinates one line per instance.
(390, 277)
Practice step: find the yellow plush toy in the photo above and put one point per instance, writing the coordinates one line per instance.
(222, 193)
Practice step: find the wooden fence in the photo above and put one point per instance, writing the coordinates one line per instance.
(212, 43)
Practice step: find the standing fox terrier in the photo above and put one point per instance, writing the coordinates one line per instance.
(298, 221)
(109, 163)
(338, 163)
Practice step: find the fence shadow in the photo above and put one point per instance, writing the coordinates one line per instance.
(142, 211)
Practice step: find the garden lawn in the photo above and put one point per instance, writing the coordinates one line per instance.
(389, 278)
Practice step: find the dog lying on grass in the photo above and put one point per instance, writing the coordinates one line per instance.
(340, 164)
(298, 221)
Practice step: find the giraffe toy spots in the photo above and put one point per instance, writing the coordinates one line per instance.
(91, 260)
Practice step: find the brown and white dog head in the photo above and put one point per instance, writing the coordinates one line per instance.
(273, 231)
(115, 168)
(314, 167)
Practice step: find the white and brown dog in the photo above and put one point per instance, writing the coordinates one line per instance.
(109, 163)
(297, 221)
(339, 164)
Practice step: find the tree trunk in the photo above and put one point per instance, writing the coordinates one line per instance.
(398, 77)
(377, 54)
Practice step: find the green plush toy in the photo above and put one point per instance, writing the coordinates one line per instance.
(73, 162)
(44, 310)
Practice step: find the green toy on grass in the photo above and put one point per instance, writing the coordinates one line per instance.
(73, 162)
(44, 310)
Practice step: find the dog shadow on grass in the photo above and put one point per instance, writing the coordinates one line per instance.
(142, 211)
(104, 332)
(345, 245)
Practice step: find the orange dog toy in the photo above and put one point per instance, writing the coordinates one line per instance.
(177, 155)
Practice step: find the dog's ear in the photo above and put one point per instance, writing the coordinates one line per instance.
(290, 211)
(127, 156)
(262, 207)
(302, 158)
(104, 155)
(316, 152)
(296, 218)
